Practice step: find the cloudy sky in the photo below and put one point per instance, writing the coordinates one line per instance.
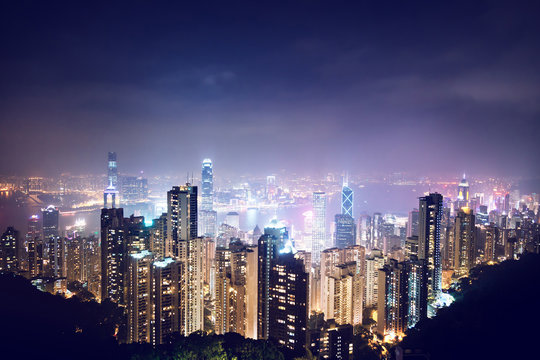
(311, 86)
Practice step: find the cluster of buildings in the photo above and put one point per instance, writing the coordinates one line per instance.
(184, 273)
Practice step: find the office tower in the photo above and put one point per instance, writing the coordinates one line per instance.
(158, 235)
(166, 282)
(288, 307)
(346, 199)
(491, 236)
(411, 246)
(137, 236)
(376, 232)
(364, 231)
(208, 217)
(319, 226)
(181, 217)
(464, 240)
(139, 297)
(416, 291)
(112, 170)
(412, 223)
(192, 302)
(34, 247)
(134, 189)
(463, 193)
(53, 244)
(74, 257)
(236, 295)
(111, 189)
(209, 269)
(392, 307)
(9, 248)
(208, 221)
(269, 245)
(429, 235)
(374, 262)
(207, 203)
(233, 219)
(113, 255)
(345, 231)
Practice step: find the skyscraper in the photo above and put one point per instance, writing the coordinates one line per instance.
(464, 241)
(345, 230)
(429, 236)
(288, 305)
(9, 246)
(412, 223)
(346, 199)
(53, 244)
(113, 255)
(34, 247)
(181, 217)
(319, 226)
(463, 193)
(112, 170)
(207, 190)
(167, 277)
(139, 297)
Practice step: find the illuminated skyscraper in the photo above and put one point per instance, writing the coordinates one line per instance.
(374, 262)
(112, 170)
(181, 217)
(288, 305)
(429, 237)
(53, 244)
(319, 226)
(139, 297)
(464, 241)
(207, 191)
(166, 293)
(377, 241)
(463, 193)
(412, 223)
(113, 255)
(345, 231)
(9, 246)
(346, 199)
(34, 246)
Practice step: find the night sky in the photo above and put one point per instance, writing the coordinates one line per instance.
(309, 86)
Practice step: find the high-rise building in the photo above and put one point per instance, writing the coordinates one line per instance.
(374, 262)
(269, 245)
(112, 170)
(113, 255)
(347, 196)
(364, 231)
(377, 241)
(207, 203)
(181, 217)
(139, 297)
(34, 246)
(412, 223)
(134, 189)
(319, 226)
(345, 231)
(9, 248)
(429, 236)
(53, 253)
(463, 199)
(167, 277)
(464, 241)
(288, 305)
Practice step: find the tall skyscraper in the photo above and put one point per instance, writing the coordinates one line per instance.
(53, 244)
(9, 246)
(269, 245)
(463, 199)
(207, 190)
(346, 199)
(429, 236)
(374, 262)
(319, 226)
(111, 188)
(345, 231)
(412, 223)
(167, 278)
(464, 241)
(288, 304)
(34, 246)
(181, 217)
(139, 297)
(113, 255)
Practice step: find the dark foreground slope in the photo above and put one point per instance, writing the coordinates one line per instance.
(38, 325)
(497, 316)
